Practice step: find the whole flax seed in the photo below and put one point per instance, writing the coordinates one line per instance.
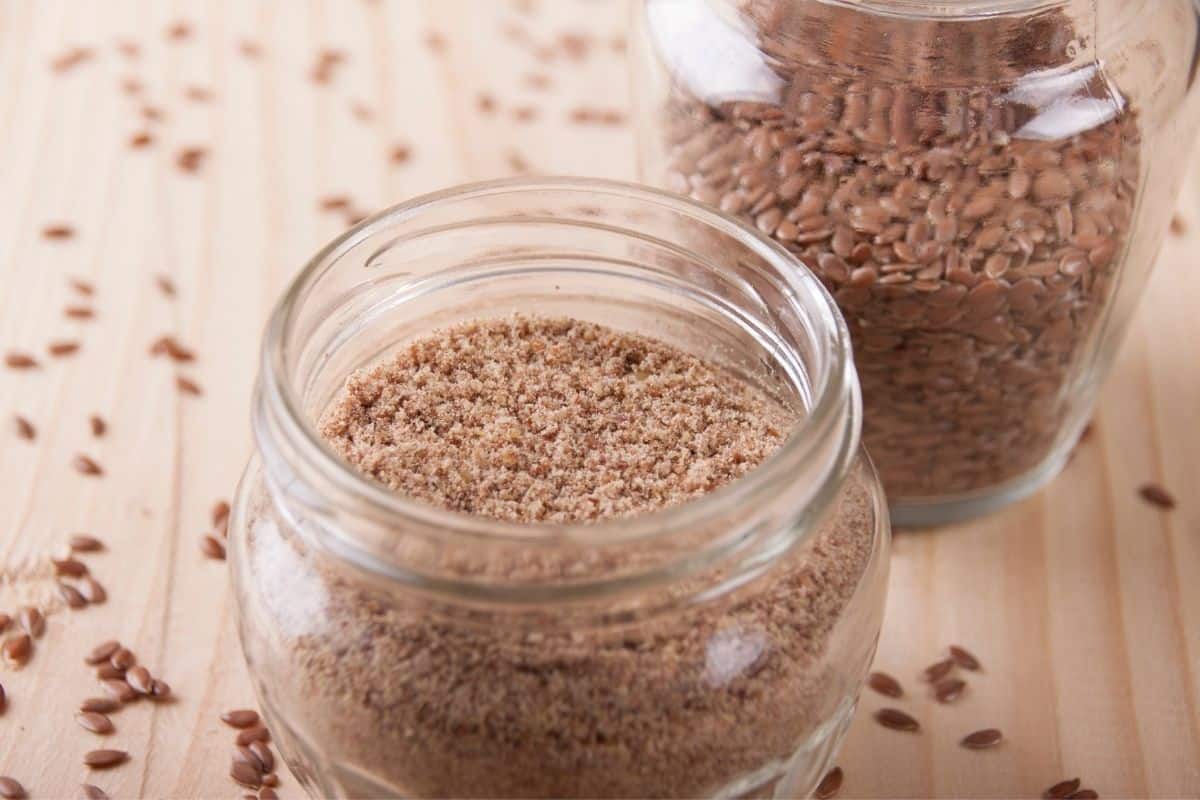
(897, 720)
(25, 428)
(240, 717)
(102, 652)
(974, 261)
(11, 788)
(885, 684)
(95, 722)
(104, 759)
(554, 420)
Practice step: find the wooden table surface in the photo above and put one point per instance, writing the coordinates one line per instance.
(1083, 602)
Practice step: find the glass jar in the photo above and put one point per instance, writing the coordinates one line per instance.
(983, 185)
(705, 649)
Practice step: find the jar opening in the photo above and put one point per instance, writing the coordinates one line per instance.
(628, 257)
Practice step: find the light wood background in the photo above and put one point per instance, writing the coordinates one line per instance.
(1083, 602)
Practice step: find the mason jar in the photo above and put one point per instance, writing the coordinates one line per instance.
(716, 647)
(983, 185)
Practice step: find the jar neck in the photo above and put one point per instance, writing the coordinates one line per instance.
(628, 257)
(984, 42)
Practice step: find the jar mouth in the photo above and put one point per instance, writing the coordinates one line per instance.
(832, 410)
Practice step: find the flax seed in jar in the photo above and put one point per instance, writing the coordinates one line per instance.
(983, 186)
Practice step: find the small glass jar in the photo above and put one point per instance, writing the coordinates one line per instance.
(983, 185)
(712, 648)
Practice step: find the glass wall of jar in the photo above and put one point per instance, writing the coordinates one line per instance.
(710, 648)
(983, 185)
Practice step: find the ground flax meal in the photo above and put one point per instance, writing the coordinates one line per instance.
(970, 227)
(533, 419)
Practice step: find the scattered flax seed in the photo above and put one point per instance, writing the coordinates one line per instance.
(99, 705)
(25, 428)
(62, 348)
(90, 792)
(70, 58)
(31, 621)
(188, 386)
(102, 652)
(525, 114)
(935, 672)
(153, 113)
(327, 61)
(85, 288)
(517, 162)
(220, 514)
(165, 285)
(830, 784)
(139, 679)
(885, 684)
(86, 465)
(141, 140)
(964, 658)
(982, 740)
(400, 154)
(575, 45)
(1062, 789)
(83, 543)
(190, 159)
(262, 751)
(949, 690)
(16, 360)
(103, 759)
(11, 789)
(245, 774)
(247, 756)
(98, 425)
(198, 94)
(123, 658)
(118, 689)
(435, 42)
(1178, 226)
(1157, 496)
(170, 347)
(70, 567)
(95, 722)
(897, 720)
(107, 672)
(597, 116)
(1083, 794)
(212, 548)
(71, 596)
(79, 312)
(240, 717)
(179, 31)
(92, 590)
(255, 733)
(335, 202)
(17, 649)
(58, 231)
(485, 103)
(159, 690)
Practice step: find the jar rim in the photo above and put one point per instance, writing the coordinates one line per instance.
(837, 392)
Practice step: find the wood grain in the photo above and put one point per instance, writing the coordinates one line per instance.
(1083, 603)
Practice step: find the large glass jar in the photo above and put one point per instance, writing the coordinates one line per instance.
(711, 648)
(982, 184)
